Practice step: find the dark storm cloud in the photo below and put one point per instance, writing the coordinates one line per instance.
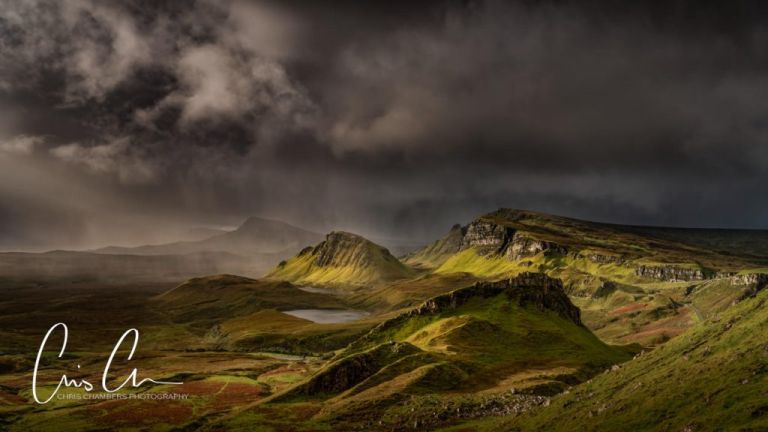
(387, 118)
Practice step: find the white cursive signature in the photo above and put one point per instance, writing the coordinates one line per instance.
(85, 384)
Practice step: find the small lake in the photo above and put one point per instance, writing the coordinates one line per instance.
(328, 316)
(316, 290)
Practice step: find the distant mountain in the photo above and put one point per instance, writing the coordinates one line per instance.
(255, 236)
(71, 265)
(202, 233)
(342, 259)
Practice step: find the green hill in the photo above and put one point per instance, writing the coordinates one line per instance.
(486, 338)
(509, 241)
(635, 284)
(713, 377)
(342, 259)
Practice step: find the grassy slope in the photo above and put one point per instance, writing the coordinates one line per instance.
(438, 252)
(410, 292)
(303, 270)
(633, 244)
(499, 334)
(713, 377)
(270, 330)
(243, 314)
(614, 239)
(362, 263)
(486, 344)
(227, 296)
(655, 310)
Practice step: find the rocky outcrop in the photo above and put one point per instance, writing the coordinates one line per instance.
(758, 279)
(523, 246)
(753, 283)
(670, 273)
(604, 258)
(527, 289)
(346, 249)
(486, 237)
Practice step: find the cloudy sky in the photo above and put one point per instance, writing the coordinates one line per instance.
(130, 122)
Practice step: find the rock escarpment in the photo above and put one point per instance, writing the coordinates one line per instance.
(523, 246)
(488, 238)
(527, 289)
(670, 273)
(624, 253)
(757, 279)
(601, 258)
(754, 283)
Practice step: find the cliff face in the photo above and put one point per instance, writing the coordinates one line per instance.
(754, 283)
(600, 258)
(757, 279)
(518, 235)
(527, 289)
(523, 246)
(670, 273)
(491, 238)
(488, 238)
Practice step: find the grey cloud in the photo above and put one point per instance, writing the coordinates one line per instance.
(545, 86)
(21, 144)
(116, 157)
(387, 119)
(96, 44)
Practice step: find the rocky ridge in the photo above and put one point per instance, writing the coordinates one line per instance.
(517, 235)
(529, 289)
(670, 273)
